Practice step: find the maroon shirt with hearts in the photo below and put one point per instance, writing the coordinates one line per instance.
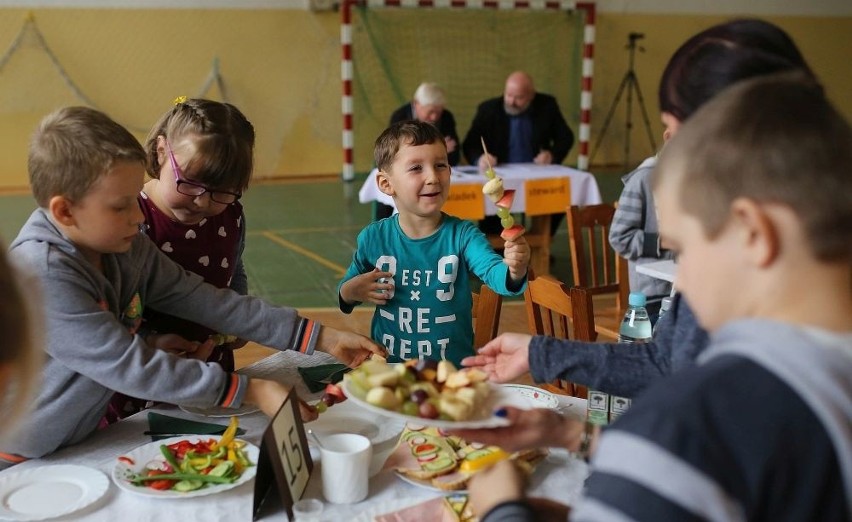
(209, 248)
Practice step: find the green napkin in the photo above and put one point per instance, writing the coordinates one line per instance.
(164, 426)
(316, 377)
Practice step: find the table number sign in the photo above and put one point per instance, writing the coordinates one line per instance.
(547, 196)
(285, 459)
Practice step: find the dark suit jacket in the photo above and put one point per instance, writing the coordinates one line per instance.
(549, 130)
(447, 126)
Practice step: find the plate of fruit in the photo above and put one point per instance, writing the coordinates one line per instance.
(432, 393)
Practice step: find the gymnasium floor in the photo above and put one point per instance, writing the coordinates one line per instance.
(301, 236)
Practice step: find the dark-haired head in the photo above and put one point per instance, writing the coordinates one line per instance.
(410, 132)
(223, 138)
(721, 56)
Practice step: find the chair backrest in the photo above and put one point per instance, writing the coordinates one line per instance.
(486, 314)
(596, 265)
(558, 311)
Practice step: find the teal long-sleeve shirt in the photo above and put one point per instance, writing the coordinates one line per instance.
(428, 313)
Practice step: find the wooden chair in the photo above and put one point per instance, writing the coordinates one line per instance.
(486, 314)
(558, 311)
(595, 264)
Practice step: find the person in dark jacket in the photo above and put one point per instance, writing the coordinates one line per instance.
(522, 126)
(428, 104)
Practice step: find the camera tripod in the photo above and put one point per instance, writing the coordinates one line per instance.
(631, 84)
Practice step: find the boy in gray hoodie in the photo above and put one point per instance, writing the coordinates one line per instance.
(98, 273)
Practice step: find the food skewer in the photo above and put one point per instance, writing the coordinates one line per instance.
(502, 198)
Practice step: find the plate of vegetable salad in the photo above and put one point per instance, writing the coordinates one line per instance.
(187, 466)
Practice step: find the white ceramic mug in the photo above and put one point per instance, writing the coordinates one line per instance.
(345, 463)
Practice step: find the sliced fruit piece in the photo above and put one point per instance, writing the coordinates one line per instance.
(511, 234)
(383, 398)
(507, 199)
(445, 369)
(336, 392)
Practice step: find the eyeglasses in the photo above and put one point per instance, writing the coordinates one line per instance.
(190, 188)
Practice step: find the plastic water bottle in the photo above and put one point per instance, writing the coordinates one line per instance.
(636, 326)
(665, 304)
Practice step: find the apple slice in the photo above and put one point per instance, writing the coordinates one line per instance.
(336, 392)
(511, 234)
(507, 199)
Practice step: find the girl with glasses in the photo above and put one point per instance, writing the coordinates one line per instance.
(200, 159)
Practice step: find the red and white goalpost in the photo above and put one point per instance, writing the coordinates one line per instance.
(587, 59)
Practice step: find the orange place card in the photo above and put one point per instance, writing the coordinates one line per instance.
(465, 201)
(547, 196)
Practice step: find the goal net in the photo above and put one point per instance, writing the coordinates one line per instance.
(468, 52)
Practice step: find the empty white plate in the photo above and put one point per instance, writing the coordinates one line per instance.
(49, 491)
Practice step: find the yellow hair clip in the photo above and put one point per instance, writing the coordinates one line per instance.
(179, 100)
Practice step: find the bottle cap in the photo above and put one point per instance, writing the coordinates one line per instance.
(636, 299)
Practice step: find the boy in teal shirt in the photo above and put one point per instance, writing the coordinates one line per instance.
(415, 266)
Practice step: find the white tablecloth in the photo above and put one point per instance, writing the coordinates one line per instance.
(584, 186)
(559, 476)
(665, 270)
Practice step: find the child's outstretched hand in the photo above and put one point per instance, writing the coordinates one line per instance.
(269, 395)
(348, 347)
(501, 482)
(373, 287)
(516, 254)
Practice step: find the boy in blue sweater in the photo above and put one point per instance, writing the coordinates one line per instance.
(754, 193)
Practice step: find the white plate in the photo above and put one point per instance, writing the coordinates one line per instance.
(151, 451)
(346, 417)
(218, 411)
(49, 491)
(426, 484)
(536, 397)
(484, 418)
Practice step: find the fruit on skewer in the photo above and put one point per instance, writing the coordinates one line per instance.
(503, 199)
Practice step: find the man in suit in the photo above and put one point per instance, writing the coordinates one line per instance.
(522, 126)
(428, 104)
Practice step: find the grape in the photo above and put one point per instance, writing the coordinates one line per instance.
(502, 212)
(327, 399)
(321, 407)
(428, 410)
(418, 396)
(507, 222)
(409, 408)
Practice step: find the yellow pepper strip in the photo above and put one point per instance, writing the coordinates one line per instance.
(200, 463)
(233, 457)
(229, 434)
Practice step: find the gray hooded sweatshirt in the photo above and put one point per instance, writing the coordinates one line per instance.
(92, 350)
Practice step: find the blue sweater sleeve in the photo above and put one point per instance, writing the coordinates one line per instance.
(619, 368)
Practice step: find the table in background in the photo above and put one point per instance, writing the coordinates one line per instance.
(583, 191)
(665, 270)
(559, 476)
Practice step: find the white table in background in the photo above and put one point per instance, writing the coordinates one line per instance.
(560, 476)
(583, 186)
(665, 270)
